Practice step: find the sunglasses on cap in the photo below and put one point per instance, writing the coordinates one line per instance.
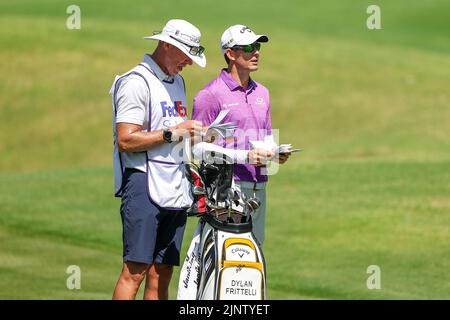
(193, 50)
(248, 48)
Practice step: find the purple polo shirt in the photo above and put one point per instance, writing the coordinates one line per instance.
(249, 109)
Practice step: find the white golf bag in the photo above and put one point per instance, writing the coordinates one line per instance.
(224, 260)
(232, 265)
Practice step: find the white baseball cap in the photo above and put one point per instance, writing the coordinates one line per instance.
(240, 35)
(185, 37)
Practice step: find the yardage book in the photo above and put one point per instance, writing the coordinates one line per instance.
(225, 130)
(269, 144)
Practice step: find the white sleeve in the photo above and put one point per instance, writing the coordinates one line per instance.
(199, 150)
(131, 100)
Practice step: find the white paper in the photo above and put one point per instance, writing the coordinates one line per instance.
(225, 130)
(219, 118)
(269, 144)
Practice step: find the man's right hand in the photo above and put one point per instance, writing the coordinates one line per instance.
(259, 157)
(186, 129)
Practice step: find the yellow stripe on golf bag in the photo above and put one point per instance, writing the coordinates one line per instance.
(256, 265)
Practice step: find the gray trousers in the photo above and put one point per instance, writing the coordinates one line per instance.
(258, 190)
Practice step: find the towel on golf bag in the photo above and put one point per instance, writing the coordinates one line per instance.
(190, 272)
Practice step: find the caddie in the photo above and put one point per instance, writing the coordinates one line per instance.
(149, 123)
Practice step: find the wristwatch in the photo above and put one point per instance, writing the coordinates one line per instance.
(167, 136)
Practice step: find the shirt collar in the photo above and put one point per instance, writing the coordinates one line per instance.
(157, 69)
(232, 84)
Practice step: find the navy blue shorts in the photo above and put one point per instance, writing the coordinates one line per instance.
(150, 234)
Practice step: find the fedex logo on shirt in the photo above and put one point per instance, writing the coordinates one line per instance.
(177, 110)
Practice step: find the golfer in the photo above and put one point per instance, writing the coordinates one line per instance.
(249, 107)
(149, 121)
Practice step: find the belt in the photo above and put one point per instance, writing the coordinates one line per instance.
(252, 185)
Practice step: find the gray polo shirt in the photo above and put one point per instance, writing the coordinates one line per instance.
(132, 100)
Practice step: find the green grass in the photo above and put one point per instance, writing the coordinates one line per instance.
(327, 222)
(337, 89)
(370, 109)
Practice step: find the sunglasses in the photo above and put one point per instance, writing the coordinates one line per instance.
(248, 48)
(193, 50)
